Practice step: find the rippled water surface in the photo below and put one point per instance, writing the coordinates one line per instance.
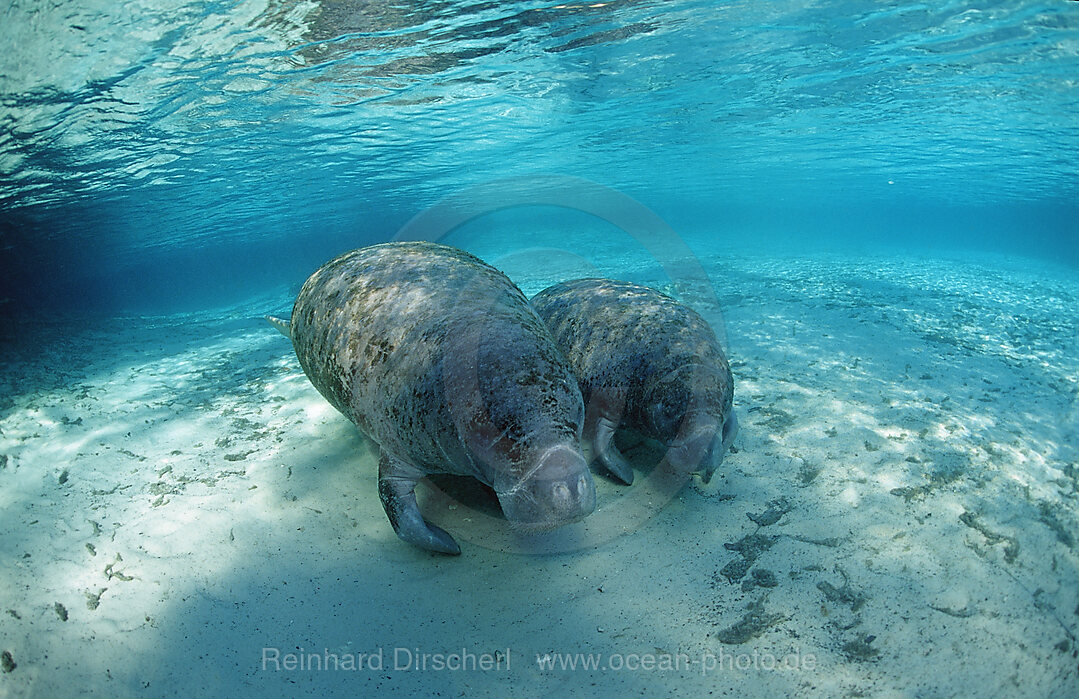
(163, 127)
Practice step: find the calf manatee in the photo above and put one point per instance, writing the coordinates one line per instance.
(647, 362)
(440, 360)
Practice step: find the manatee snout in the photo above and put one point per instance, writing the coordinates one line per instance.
(558, 491)
(703, 448)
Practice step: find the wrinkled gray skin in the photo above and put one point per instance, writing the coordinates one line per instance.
(647, 362)
(439, 358)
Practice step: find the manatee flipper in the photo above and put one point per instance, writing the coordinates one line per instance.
(397, 489)
(282, 325)
(607, 453)
(726, 438)
(730, 431)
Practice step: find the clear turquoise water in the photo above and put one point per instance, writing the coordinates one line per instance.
(146, 148)
(872, 202)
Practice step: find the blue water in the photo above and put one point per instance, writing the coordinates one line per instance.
(144, 151)
(874, 204)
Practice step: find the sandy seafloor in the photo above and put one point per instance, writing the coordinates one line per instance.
(899, 518)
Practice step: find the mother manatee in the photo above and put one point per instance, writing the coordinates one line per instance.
(439, 358)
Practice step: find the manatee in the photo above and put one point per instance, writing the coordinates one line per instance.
(439, 359)
(647, 362)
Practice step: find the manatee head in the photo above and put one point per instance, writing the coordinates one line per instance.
(559, 490)
(690, 411)
(519, 412)
(700, 448)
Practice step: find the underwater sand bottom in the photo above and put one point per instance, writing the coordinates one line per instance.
(182, 514)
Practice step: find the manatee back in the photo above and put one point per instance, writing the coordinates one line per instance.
(393, 336)
(379, 316)
(618, 334)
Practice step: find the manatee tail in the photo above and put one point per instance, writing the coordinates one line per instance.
(282, 325)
